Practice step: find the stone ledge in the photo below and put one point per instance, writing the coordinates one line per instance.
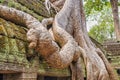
(10, 68)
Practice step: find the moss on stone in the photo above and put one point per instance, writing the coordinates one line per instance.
(45, 69)
(15, 4)
(11, 30)
(36, 5)
(14, 49)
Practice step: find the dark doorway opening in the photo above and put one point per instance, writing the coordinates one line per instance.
(50, 78)
(118, 71)
(1, 76)
(39, 77)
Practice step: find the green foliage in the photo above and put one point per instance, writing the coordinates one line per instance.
(95, 5)
(104, 28)
(99, 11)
(1, 1)
(101, 33)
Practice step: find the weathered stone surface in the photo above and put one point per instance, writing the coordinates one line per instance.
(35, 5)
(14, 49)
(11, 30)
(45, 69)
(113, 48)
(12, 43)
(113, 52)
(20, 76)
(19, 6)
(10, 67)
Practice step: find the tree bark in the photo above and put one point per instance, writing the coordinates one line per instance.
(114, 5)
(71, 18)
(39, 37)
(71, 43)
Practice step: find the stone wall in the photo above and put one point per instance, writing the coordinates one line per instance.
(112, 48)
(17, 61)
(20, 76)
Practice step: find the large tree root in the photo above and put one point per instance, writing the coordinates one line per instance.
(41, 40)
(61, 56)
(71, 18)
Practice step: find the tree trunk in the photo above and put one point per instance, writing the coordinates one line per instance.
(71, 42)
(71, 18)
(114, 4)
(40, 38)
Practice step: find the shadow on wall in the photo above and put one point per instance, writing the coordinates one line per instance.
(50, 78)
(40, 77)
(118, 71)
(1, 76)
